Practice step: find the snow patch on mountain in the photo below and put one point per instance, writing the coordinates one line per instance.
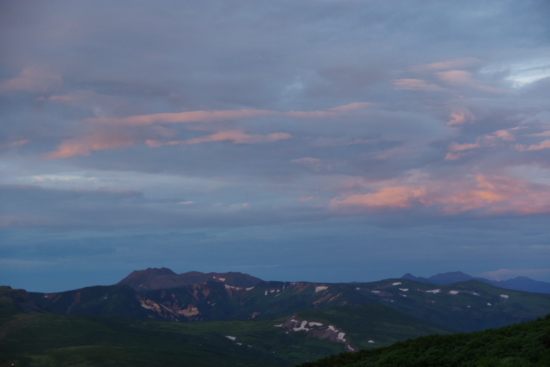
(317, 330)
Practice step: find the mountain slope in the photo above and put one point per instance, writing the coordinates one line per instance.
(45, 339)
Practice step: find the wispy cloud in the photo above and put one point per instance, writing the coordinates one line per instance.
(32, 79)
(415, 84)
(221, 115)
(88, 144)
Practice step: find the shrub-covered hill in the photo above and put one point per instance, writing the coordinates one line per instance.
(32, 337)
(526, 344)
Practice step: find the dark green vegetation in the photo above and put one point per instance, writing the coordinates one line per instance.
(233, 319)
(526, 344)
(46, 339)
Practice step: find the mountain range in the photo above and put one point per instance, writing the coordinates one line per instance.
(197, 297)
(218, 314)
(519, 283)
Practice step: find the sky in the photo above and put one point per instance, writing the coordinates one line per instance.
(317, 140)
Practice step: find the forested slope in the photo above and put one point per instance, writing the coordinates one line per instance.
(525, 344)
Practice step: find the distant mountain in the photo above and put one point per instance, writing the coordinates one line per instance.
(519, 283)
(524, 284)
(163, 278)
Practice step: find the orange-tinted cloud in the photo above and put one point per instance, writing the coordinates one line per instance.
(220, 115)
(446, 65)
(464, 78)
(455, 150)
(330, 112)
(455, 147)
(492, 195)
(460, 117)
(88, 144)
(238, 137)
(386, 197)
(415, 84)
(181, 117)
(455, 76)
(542, 145)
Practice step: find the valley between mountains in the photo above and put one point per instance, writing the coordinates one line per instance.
(237, 319)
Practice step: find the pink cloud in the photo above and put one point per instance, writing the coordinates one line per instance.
(460, 117)
(386, 197)
(88, 144)
(488, 140)
(490, 194)
(238, 137)
(504, 135)
(455, 150)
(182, 117)
(542, 145)
(415, 84)
(14, 144)
(455, 147)
(31, 80)
(464, 78)
(543, 134)
(330, 112)
(447, 65)
(350, 107)
(221, 115)
(455, 77)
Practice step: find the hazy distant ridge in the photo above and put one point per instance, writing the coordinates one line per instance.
(519, 283)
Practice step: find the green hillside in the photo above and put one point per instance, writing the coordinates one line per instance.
(46, 339)
(526, 344)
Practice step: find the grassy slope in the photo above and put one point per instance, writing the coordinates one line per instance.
(526, 344)
(45, 339)
(371, 322)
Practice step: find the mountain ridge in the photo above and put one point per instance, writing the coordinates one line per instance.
(164, 278)
(465, 306)
(519, 283)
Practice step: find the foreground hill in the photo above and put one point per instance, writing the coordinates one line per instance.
(46, 339)
(526, 344)
(466, 306)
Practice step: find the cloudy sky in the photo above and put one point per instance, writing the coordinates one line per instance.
(320, 140)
